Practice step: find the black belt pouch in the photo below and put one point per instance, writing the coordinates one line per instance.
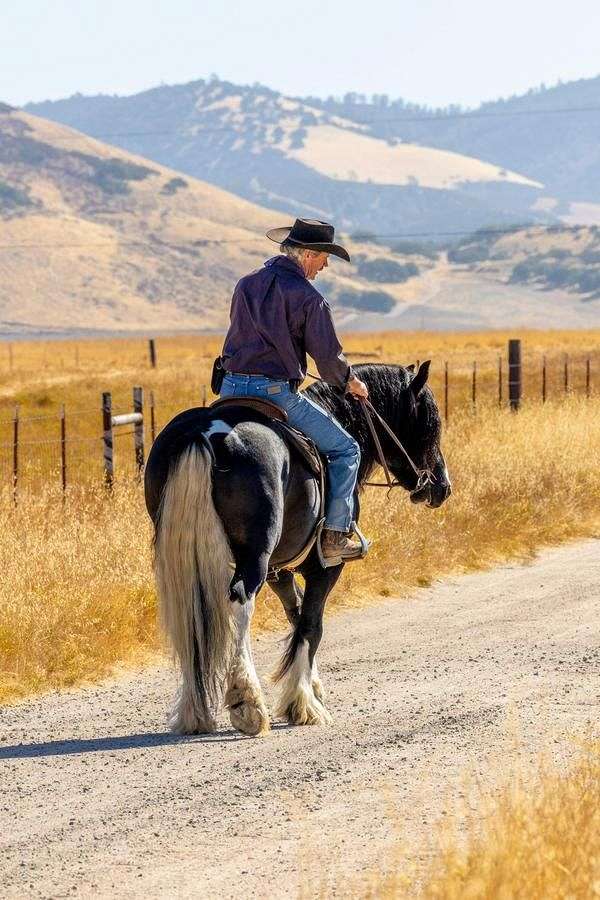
(218, 374)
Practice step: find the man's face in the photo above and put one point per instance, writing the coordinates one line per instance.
(313, 262)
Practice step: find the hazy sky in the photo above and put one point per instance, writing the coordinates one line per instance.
(427, 51)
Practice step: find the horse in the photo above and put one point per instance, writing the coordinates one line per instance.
(232, 502)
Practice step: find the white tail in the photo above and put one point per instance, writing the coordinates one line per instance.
(193, 568)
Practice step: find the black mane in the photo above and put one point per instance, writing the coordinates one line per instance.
(415, 422)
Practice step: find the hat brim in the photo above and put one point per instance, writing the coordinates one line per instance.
(279, 235)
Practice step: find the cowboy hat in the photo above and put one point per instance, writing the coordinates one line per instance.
(311, 234)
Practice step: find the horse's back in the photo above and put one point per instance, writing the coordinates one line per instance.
(258, 482)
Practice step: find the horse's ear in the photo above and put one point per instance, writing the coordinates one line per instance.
(410, 368)
(420, 379)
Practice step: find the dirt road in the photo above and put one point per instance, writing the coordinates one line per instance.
(98, 800)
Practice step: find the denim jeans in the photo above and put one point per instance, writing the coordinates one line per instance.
(340, 449)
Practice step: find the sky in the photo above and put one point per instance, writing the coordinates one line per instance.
(435, 52)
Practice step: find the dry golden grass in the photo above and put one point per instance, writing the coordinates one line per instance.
(76, 594)
(537, 840)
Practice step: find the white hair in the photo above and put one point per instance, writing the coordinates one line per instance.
(294, 252)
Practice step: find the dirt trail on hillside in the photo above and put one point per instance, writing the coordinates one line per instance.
(473, 674)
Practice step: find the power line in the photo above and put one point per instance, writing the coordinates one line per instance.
(364, 238)
(433, 118)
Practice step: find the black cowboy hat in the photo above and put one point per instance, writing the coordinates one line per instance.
(309, 233)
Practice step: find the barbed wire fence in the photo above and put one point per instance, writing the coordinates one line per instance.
(98, 444)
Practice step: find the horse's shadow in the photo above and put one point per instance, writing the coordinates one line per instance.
(125, 742)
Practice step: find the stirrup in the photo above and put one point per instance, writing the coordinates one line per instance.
(331, 561)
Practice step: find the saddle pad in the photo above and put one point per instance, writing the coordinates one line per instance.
(262, 406)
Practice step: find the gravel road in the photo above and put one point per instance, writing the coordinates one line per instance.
(471, 675)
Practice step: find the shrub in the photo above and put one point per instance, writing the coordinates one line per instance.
(370, 301)
(12, 198)
(386, 270)
(172, 186)
(415, 248)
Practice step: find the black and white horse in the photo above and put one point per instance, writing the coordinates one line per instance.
(230, 501)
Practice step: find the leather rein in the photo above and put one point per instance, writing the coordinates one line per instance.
(424, 476)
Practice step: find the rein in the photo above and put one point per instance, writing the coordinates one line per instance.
(424, 476)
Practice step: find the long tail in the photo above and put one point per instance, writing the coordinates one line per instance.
(193, 571)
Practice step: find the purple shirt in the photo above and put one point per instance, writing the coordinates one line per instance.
(277, 317)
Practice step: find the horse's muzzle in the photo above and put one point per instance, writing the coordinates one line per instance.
(433, 494)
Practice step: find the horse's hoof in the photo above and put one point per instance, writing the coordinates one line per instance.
(249, 718)
(306, 710)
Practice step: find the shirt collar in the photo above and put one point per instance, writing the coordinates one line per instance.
(285, 262)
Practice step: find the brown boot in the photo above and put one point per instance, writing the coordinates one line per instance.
(337, 547)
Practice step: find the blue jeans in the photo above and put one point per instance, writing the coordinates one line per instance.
(340, 448)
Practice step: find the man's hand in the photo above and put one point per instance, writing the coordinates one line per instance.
(357, 388)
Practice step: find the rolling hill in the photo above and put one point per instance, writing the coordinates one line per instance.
(94, 239)
(289, 154)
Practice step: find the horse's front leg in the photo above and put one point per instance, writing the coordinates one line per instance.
(301, 700)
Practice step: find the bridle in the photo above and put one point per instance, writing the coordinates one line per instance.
(424, 476)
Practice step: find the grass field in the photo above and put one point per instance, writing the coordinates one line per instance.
(77, 596)
(538, 837)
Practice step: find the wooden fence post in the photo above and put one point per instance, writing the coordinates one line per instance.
(515, 384)
(446, 404)
(203, 395)
(107, 428)
(15, 453)
(152, 351)
(544, 382)
(138, 428)
(588, 378)
(152, 418)
(566, 376)
(500, 381)
(63, 450)
(474, 387)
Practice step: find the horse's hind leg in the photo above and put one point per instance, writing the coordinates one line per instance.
(243, 696)
(301, 698)
(291, 595)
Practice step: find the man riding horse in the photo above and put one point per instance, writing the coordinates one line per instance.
(236, 501)
(277, 316)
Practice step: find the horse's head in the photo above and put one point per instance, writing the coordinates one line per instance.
(419, 427)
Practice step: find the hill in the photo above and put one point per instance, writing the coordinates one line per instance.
(550, 135)
(287, 153)
(96, 239)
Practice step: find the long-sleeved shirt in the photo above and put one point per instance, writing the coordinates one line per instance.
(277, 317)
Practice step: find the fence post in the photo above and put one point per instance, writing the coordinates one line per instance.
(63, 450)
(138, 429)
(515, 384)
(500, 381)
(588, 378)
(544, 382)
(107, 428)
(566, 373)
(152, 419)
(152, 351)
(203, 395)
(446, 392)
(474, 387)
(15, 453)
